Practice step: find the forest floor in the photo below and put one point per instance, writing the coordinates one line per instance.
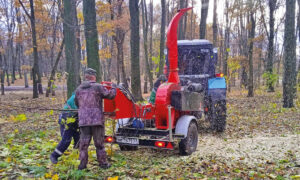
(261, 141)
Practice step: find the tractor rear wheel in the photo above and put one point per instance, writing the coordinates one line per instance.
(189, 144)
(128, 148)
(218, 116)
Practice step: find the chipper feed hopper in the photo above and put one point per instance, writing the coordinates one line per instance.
(192, 89)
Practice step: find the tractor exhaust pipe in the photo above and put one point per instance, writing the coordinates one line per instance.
(172, 46)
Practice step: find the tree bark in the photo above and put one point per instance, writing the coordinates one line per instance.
(226, 43)
(91, 36)
(25, 79)
(260, 59)
(52, 76)
(2, 75)
(72, 60)
(181, 22)
(36, 77)
(119, 38)
(272, 5)
(251, 37)
(192, 18)
(204, 11)
(135, 49)
(151, 37)
(185, 19)
(7, 76)
(214, 26)
(289, 77)
(162, 38)
(145, 35)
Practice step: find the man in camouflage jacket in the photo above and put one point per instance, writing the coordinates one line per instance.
(88, 98)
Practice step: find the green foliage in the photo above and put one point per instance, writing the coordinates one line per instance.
(38, 171)
(77, 175)
(3, 164)
(270, 78)
(233, 67)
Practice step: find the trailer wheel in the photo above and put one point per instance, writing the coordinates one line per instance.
(218, 116)
(189, 144)
(128, 148)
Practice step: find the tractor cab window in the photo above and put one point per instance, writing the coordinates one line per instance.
(193, 61)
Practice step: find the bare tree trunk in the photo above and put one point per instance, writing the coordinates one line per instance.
(289, 77)
(260, 59)
(71, 50)
(145, 84)
(181, 22)
(35, 70)
(185, 19)
(226, 43)
(162, 37)
(2, 74)
(251, 37)
(19, 48)
(91, 36)
(26, 79)
(145, 34)
(215, 27)
(272, 6)
(204, 11)
(7, 76)
(52, 76)
(151, 36)
(192, 18)
(135, 49)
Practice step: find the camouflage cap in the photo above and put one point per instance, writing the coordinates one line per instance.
(90, 71)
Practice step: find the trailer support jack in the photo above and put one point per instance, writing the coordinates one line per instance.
(170, 123)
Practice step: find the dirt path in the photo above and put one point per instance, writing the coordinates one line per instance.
(22, 88)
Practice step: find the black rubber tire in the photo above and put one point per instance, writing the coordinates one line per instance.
(128, 148)
(218, 116)
(189, 144)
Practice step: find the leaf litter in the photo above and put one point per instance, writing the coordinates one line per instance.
(261, 142)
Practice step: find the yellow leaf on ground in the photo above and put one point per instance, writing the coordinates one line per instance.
(55, 177)
(113, 178)
(12, 118)
(48, 175)
(109, 152)
(21, 117)
(8, 159)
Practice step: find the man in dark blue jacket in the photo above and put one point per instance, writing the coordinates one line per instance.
(68, 122)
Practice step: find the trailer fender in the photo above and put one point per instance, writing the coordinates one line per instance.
(183, 123)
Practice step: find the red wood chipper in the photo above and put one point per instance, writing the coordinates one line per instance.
(191, 90)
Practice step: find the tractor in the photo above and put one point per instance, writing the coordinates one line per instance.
(192, 90)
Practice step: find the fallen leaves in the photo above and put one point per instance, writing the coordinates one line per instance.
(29, 138)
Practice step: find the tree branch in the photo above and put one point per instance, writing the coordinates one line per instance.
(263, 19)
(26, 12)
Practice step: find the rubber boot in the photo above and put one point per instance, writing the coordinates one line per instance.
(54, 157)
(102, 159)
(83, 155)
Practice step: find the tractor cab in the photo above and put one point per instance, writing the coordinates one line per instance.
(196, 57)
(196, 61)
